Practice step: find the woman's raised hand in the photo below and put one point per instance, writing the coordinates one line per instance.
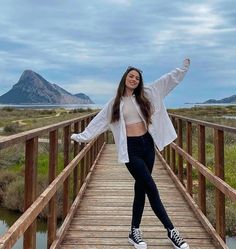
(186, 62)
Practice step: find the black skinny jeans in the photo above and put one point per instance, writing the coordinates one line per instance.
(141, 160)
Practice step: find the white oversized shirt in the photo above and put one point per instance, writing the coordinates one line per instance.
(161, 129)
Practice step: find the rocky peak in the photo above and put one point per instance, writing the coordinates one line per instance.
(31, 79)
(33, 88)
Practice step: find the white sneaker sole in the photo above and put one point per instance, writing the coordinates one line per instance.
(176, 247)
(137, 246)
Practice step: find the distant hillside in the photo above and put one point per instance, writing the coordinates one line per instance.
(84, 97)
(34, 89)
(228, 100)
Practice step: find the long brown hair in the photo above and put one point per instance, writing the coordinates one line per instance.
(139, 93)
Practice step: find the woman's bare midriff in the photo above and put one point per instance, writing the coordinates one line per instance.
(137, 129)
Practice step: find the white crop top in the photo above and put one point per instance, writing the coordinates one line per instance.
(130, 112)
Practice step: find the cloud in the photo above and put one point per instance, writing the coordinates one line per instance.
(89, 85)
(90, 43)
(99, 90)
(119, 2)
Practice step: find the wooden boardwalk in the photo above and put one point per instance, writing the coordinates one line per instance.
(103, 218)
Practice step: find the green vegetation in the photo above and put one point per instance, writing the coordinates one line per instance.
(220, 115)
(12, 159)
(15, 120)
(215, 114)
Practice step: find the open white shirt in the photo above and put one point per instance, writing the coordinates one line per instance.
(161, 129)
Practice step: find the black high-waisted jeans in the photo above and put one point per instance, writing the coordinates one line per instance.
(141, 160)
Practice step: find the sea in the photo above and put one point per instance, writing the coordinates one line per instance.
(66, 106)
(99, 106)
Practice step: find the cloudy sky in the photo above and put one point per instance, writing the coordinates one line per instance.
(85, 46)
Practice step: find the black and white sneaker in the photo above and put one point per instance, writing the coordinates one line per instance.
(136, 239)
(176, 239)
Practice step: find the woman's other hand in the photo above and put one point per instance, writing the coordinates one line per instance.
(186, 62)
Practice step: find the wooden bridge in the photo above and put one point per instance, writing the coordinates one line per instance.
(97, 191)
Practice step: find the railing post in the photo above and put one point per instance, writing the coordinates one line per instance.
(89, 161)
(31, 156)
(163, 152)
(189, 166)
(173, 157)
(53, 160)
(201, 178)
(180, 144)
(82, 162)
(87, 164)
(93, 153)
(168, 154)
(75, 175)
(219, 171)
(66, 161)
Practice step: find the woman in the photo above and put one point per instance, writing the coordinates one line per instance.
(139, 120)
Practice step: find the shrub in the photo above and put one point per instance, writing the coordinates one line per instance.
(8, 109)
(230, 219)
(12, 157)
(6, 178)
(12, 128)
(14, 195)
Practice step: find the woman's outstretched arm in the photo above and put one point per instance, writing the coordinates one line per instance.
(98, 125)
(168, 81)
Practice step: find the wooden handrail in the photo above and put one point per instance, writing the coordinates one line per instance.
(205, 123)
(78, 171)
(208, 226)
(216, 178)
(26, 224)
(26, 135)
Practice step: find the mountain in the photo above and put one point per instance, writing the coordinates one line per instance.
(228, 100)
(34, 89)
(85, 98)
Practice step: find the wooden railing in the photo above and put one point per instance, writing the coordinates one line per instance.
(174, 154)
(84, 160)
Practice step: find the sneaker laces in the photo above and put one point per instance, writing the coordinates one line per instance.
(174, 234)
(137, 233)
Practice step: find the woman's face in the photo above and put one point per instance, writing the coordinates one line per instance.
(132, 80)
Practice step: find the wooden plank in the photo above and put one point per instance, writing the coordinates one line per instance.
(82, 162)
(66, 150)
(202, 160)
(180, 144)
(62, 230)
(168, 154)
(173, 154)
(25, 220)
(150, 228)
(219, 171)
(52, 207)
(75, 173)
(207, 225)
(189, 166)
(103, 217)
(128, 246)
(206, 124)
(31, 157)
(122, 242)
(119, 234)
(216, 181)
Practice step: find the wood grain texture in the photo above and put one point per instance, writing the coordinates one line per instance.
(103, 218)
